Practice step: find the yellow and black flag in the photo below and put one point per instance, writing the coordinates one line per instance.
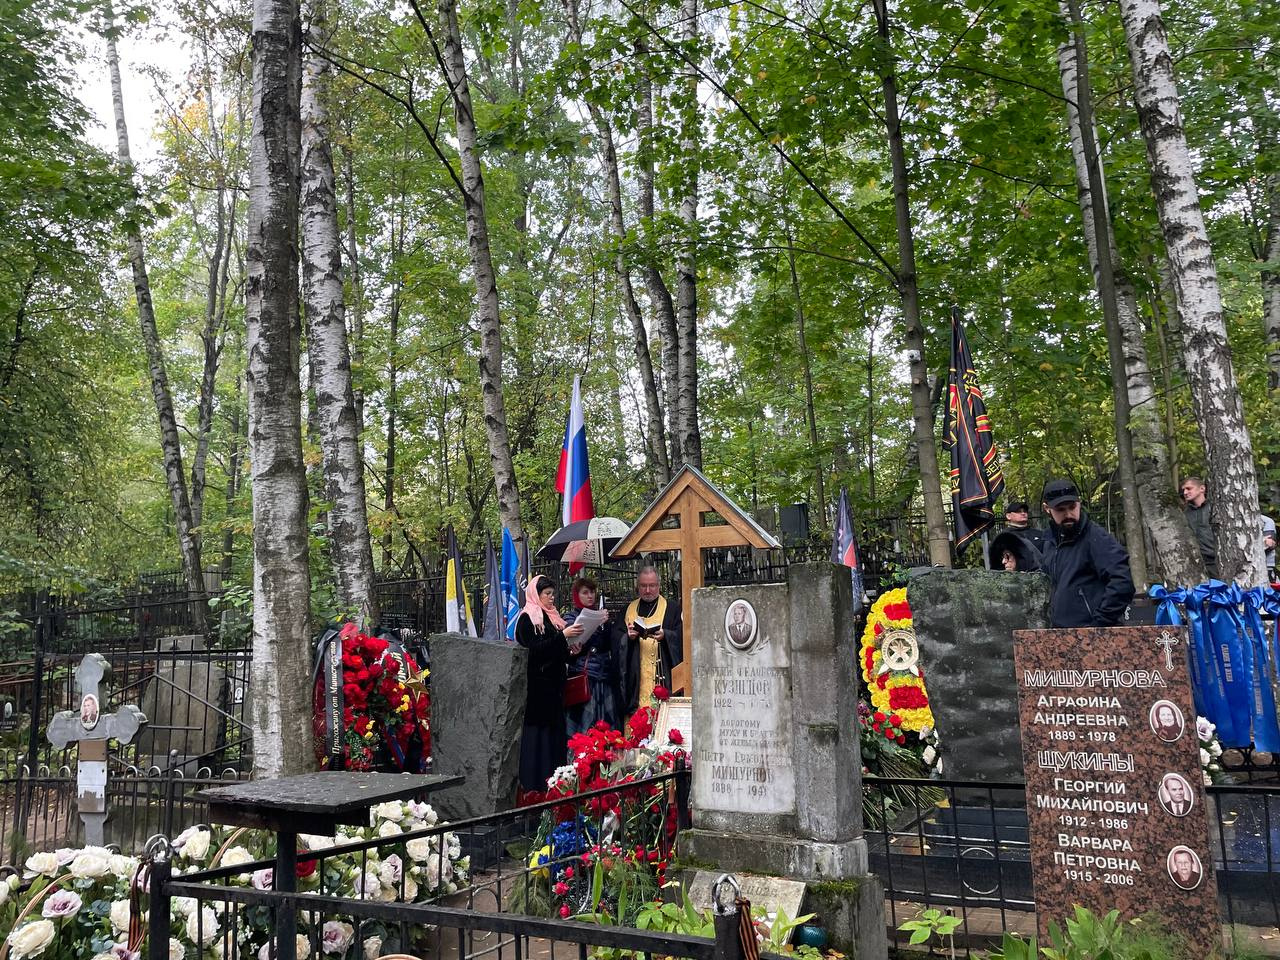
(976, 480)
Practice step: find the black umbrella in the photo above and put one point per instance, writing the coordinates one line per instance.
(585, 541)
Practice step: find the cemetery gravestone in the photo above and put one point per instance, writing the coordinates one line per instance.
(92, 728)
(774, 894)
(964, 622)
(1115, 798)
(477, 711)
(777, 774)
(183, 702)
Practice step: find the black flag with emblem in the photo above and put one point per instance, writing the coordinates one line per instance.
(976, 480)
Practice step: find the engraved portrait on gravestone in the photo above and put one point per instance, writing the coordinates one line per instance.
(89, 711)
(1166, 720)
(1176, 795)
(1184, 866)
(740, 625)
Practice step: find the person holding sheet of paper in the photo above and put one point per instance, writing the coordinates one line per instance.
(598, 657)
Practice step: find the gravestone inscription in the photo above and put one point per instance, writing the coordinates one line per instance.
(1115, 797)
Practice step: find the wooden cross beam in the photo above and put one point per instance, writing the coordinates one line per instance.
(689, 515)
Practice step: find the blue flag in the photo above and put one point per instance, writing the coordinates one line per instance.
(509, 583)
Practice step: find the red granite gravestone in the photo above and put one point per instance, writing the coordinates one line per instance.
(1115, 797)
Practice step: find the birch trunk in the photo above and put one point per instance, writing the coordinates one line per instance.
(1176, 556)
(327, 348)
(1073, 65)
(170, 443)
(486, 281)
(656, 438)
(913, 334)
(357, 290)
(281, 579)
(659, 295)
(690, 437)
(1215, 392)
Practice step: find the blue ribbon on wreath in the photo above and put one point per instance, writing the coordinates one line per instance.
(1224, 632)
(1266, 729)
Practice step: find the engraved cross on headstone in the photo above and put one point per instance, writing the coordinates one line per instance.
(1168, 641)
(92, 728)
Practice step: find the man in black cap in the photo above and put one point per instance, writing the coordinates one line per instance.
(1088, 568)
(1017, 519)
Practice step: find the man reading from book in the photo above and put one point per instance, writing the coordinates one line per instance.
(655, 643)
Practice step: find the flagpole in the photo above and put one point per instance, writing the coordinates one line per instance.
(986, 551)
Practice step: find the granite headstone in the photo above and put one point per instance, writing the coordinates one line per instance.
(964, 622)
(1115, 800)
(477, 710)
(777, 777)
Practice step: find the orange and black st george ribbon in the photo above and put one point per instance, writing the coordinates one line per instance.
(976, 480)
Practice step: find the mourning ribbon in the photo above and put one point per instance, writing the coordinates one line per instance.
(1266, 730)
(1226, 649)
(329, 660)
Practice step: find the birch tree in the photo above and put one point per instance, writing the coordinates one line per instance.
(170, 442)
(913, 338)
(1176, 554)
(486, 280)
(1215, 392)
(281, 579)
(327, 347)
(690, 437)
(655, 433)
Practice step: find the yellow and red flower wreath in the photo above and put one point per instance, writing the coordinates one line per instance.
(893, 691)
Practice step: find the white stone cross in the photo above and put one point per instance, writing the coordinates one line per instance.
(91, 728)
(1168, 641)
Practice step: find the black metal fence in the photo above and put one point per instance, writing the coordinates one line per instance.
(491, 916)
(962, 847)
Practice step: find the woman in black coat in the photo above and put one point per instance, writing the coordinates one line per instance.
(541, 630)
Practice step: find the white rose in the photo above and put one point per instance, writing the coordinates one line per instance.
(263, 879)
(120, 916)
(202, 927)
(390, 871)
(197, 845)
(421, 811)
(4, 892)
(336, 936)
(66, 854)
(104, 956)
(1208, 780)
(42, 864)
(928, 755)
(122, 866)
(314, 841)
(31, 939)
(391, 810)
(89, 864)
(176, 950)
(410, 890)
(182, 906)
(1215, 748)
(303, 949)
(419, 848)
(1204, 756)
(372, 948)
(389, 828)
(235, 857)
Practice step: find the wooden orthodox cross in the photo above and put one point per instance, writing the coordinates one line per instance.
(689, 514)
(92, 729)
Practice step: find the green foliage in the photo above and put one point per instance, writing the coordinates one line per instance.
(1087, 936)
(931, 923)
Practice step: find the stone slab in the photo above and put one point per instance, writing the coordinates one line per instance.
(801, 859)
(743, 762)
(964, 622)
(1115, 801)
(182, 703)
(478, 690)
(771, 893)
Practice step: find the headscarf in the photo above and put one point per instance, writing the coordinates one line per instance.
(534, 609)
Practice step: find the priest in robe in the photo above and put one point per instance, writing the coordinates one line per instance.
(655, 641)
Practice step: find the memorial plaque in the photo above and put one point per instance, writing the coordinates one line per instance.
(675, 714)
(772, 893)
(1115, 798)
(742, 709)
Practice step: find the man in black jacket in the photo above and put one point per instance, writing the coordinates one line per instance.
(1088, 568)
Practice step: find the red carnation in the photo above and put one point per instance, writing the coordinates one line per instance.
(661, 693)
(305, 868)
(895, 720)
(879, 715)
(675, 736)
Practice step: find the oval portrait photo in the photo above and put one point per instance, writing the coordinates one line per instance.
(1166, 720)
(1176, 795)
(740, 625)
(1184, 866)
(89, 711)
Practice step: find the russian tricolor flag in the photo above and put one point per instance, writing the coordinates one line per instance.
(573, 479)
